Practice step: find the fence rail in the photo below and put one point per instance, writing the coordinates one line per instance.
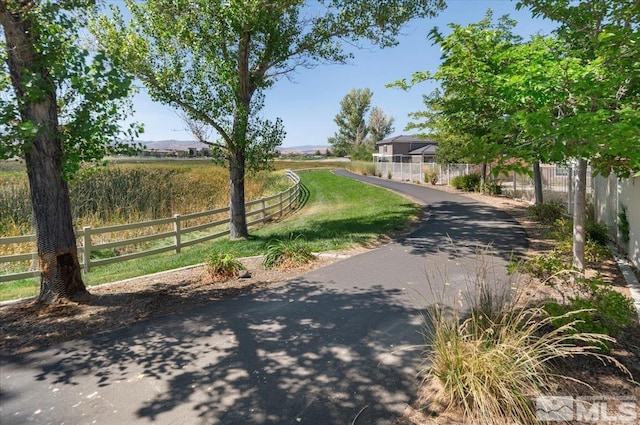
(179, 234)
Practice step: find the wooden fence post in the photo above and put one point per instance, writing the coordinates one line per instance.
(86, 253)
(176, 229)
(264, 211)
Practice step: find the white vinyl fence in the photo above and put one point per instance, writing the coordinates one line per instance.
(414, 171)
(167, 234)
(617, 206)
(556, 179)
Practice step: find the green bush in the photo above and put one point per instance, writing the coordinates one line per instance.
(361, 152)
(598, 309)
(547, 212)
(287, 253)
(623, 224)
(221, 266)
(597, 232)
(492, 188)
(468, 183)
(543, 266)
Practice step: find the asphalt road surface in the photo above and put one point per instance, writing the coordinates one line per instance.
(339, 344)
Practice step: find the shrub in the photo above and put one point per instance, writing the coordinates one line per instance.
(623, 224)
(563, 234)
(598, 309)
(468, 183)
(597, 232)
(492, 363)
(287, 253)
(220, 266)
(562, 230)
(547, 212)
(543, 266)
(492, 188)
(431, 175)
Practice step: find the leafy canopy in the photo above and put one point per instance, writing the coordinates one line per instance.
(462, 113)
(213, 60)
(92, 93)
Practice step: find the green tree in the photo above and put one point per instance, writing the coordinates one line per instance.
(596, 119)
(464, 110)
(357, 136)
(351, 121)
(380, 125)
(60, 106)
(213, 61)
(528, 83)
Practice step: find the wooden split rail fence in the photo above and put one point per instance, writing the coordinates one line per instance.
(210, 226)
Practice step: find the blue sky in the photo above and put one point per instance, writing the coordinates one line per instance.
(308, 104)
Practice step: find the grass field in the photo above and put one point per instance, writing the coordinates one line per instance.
(337, 213)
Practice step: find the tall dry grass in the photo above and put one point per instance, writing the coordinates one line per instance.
(366, 168)
(124, 193)
(131, 193)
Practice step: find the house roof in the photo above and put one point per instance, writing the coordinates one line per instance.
(425, 150)
(406, 139)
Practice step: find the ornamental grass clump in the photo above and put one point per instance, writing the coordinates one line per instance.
(220, 266)
(287, 253)
(491, 360)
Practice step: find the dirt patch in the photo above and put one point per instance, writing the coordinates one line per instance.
(27, 326)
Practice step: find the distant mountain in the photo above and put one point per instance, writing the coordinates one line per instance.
(171, 144)
(186, 144)
(305, 149)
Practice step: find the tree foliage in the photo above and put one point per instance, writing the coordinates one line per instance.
(357, 136)
(380, 125)
(595, 117)
(60, 106)
(214, 60)
(595, 113)
(351, 121)
(573, 96)
(92, 95)
(464, 110)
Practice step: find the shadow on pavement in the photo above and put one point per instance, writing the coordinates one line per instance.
(477, 224)
(301, 352)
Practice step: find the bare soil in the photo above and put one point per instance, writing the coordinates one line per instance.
(26, 326)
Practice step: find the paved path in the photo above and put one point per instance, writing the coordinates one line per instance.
(322, 349)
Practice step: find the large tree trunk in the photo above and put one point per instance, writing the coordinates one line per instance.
(579, 214)
(57, 252)
(537, 183)
(238, 216)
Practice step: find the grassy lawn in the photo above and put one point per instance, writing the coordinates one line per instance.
(337, 213)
